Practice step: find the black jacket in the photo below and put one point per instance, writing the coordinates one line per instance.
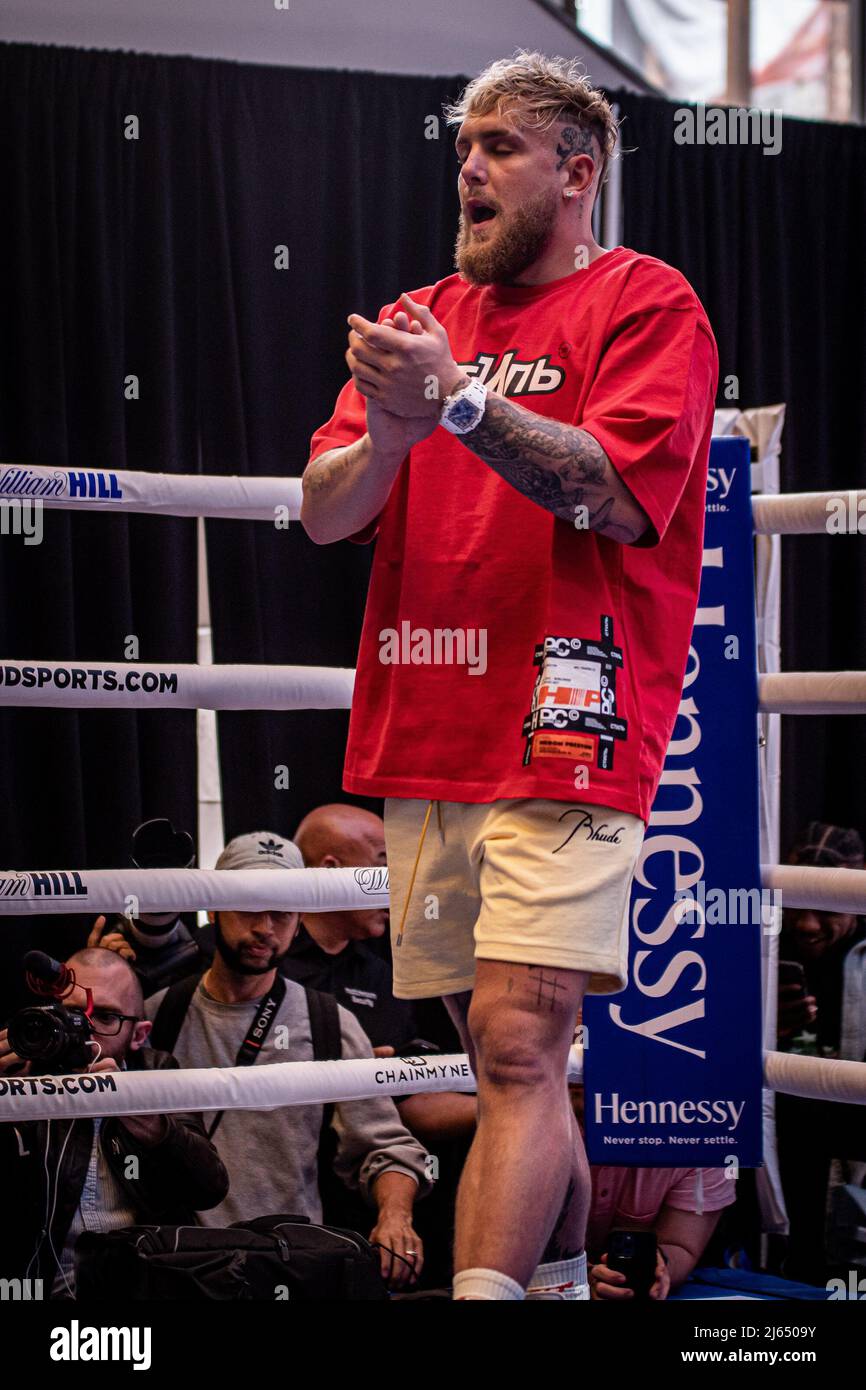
(177, 1177)
(360, 981)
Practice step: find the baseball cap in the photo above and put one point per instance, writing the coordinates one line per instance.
(260, 849)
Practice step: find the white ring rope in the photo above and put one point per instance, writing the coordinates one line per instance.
(269, 499)
(829, 890)
(816, 1078)
(136, 685)
(165, 494)
(813, 692)
(808, 513)
(200, 1089)
(134, 891)
(167, 1091)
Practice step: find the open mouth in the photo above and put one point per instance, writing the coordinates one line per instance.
(480, 212)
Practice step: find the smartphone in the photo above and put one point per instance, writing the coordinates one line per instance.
(791, 972)
(634, 1254)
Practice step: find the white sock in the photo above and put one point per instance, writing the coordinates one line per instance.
(561, 1279)
(487, 1284)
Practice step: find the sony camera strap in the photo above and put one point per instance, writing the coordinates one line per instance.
(263, 1018)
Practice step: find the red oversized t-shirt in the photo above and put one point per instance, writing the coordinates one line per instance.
(506, 652)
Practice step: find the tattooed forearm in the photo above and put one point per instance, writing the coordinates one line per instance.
(325, 471)
(561, 467)
(344, 489)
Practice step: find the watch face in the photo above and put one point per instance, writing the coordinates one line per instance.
(464, 414)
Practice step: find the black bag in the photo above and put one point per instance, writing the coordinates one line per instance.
(271, 1259)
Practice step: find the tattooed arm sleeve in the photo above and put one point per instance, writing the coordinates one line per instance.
(559, 466)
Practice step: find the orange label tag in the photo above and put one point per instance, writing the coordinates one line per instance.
(562, 746)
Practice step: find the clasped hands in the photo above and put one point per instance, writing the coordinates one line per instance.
(403, 364)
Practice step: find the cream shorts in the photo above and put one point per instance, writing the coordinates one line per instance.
(533, 881)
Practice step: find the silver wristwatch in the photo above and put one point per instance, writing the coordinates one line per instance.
(464, 408)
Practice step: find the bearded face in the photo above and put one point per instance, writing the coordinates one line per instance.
(496, 244)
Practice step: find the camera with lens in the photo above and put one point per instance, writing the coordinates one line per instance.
(164, 947)
(55, 1037)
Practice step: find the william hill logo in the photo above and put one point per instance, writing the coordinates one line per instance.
(511, 377)
(49, 884)
(56, 482)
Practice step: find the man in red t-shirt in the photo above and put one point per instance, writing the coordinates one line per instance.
(528, 439)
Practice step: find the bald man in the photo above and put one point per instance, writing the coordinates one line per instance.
(81, 1169)
(330, 951)
(338, 836)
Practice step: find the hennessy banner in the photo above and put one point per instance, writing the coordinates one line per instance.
(673, 1064)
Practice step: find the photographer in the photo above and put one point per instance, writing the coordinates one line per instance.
(88, 1174)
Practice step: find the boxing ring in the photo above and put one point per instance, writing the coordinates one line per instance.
(50, 684)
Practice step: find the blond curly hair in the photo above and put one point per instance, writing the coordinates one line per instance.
(540, 92)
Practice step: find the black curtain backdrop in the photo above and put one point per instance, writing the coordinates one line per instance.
(338, 168)
(98, 257)
(157, 258)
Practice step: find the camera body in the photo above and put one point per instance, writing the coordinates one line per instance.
(55, 1037)
(161, 962)
(165, 950)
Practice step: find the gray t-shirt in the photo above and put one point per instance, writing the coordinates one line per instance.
(271, 1155)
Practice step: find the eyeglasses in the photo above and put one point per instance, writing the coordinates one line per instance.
(108, 1024)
